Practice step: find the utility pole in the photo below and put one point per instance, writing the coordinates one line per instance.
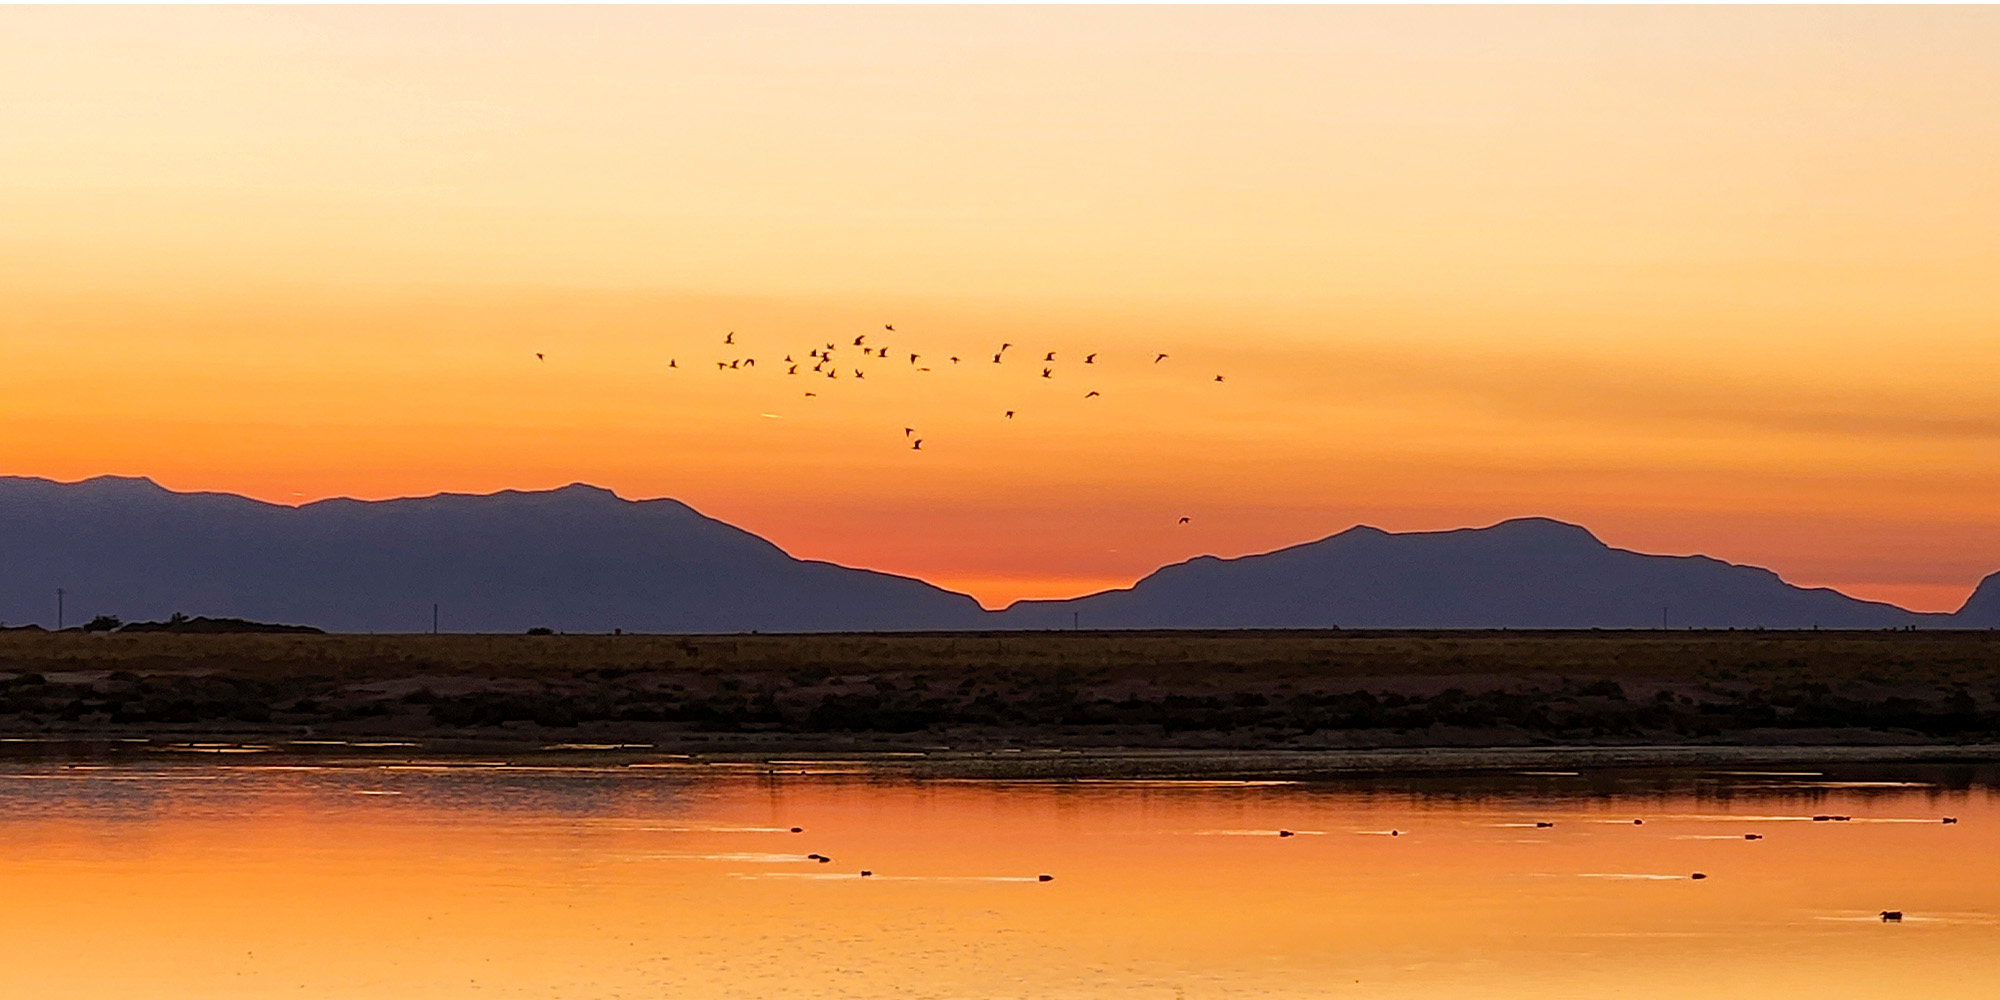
(1663, 617)
(1076, 621)
(434, 619)
(59, 607)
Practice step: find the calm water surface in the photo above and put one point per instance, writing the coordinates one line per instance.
(252, 877)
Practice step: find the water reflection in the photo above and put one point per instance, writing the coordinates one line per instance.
(343, 877)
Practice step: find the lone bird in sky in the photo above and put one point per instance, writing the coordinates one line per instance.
(858, 340)
(1005, 346)
(1010, 414)
(793, 371)
(907, 431)
(1089, 394)
(1051, 356)
(1045, 373)
(1157, 358)
(538, 356)
(812, 394)
(1090, 359)
(858, 373)
(954, 359)
(913, 359)
(671, 363)
(996, 359)
(917, 445)
(889, 328)
(730, 337)
(1184, 520)
(1218, 378)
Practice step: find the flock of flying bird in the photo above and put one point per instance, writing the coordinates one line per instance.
(821, 362)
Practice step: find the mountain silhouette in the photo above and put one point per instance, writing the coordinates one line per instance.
(1525, 573)
(573, 559)
(1982, 609)
(581, 559)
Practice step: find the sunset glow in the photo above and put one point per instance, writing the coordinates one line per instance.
(1703, 280)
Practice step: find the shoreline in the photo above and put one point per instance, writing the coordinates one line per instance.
(1001, 764)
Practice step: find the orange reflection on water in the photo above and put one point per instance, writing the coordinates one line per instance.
(366, 882)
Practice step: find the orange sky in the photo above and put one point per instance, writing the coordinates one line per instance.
(1714, 280)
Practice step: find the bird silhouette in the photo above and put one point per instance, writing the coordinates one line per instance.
(538, 356)
(913, 359)
(858, 373)
(1090, 359)
(1089, 394)
(671, 364)
(1045, 373)
(1051, 356)
(794, 370)
(889, 328)
(1005, 346)
(733, 364)
(1218, 378)
(1010, 414)
(954, 359)
(730, 337)
(917, 445)
(858, 340)
(1157, 358)
(1184, 520)
(907, 431)
(788, 359)
(720, 365)
(812, 394)
(996, 359)
(749, 362)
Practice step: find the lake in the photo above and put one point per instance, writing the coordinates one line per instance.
(207, 874)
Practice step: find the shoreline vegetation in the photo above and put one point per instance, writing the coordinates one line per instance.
(1261, 702)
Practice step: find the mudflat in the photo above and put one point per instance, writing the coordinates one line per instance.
(1111, 695)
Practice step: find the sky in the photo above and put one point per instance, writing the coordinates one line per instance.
(1712, 280)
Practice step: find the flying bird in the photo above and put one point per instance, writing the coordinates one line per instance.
(1218, 378)
(1045, 373)
(538, 356)
(954, 359)
(889, 328)
(671, 364)
(812, 394)
(907, 431)
(996, 359)
(730, 338)
(1051, 356)
(917, 445)
(859, 374)
(733, 364)
(858, 340)
(1010, 414)
(1184, 520)
(720, 365)
(749, 362)
(1157, 358)
(1005, 346)
(794, 370)
(788, 359)
(1090, 359)
(1089, 394)
(913, 359)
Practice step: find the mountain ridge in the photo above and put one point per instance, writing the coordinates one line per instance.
(581, 558)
